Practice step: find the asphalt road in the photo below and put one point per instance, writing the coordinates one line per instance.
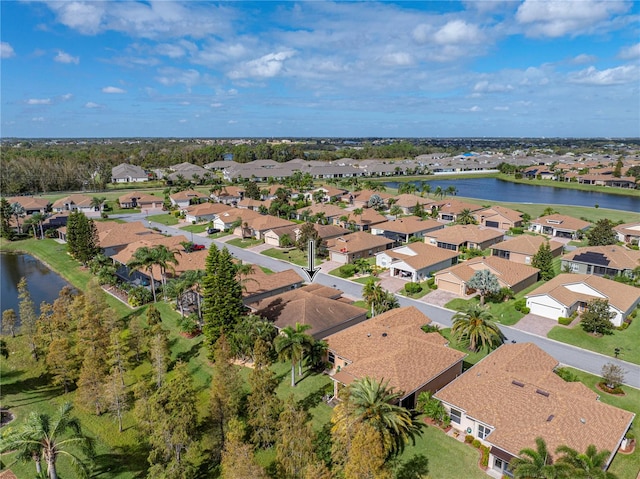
(566, 354)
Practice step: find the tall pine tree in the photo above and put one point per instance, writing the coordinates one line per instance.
(6, 231)
(263, 406)
(543, 260)
(222, 296)
(28, 317)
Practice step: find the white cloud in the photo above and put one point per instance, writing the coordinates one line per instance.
(583, 58)
(556, 19)
(37, 118)
(182, 120)
(458, 32)
(485, 86)
(501, 108)
(174, 76)
(266, 66)
(39, 101)
(232, 122)
(611, 76)
(169, 50)
(6, 50)
(91, 104)
(66, 96)
(216, 105)
(113, 89)
(475, 108)
(397, 59)
(630, 53)
(63, 57)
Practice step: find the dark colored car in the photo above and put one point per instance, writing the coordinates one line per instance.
(212, 231)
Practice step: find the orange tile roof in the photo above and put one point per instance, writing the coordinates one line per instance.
(425, 255)
(507, 272)
(81, 201)
(408, 225)
(406, 200)
(564, 414)
(328, 210)
(492, 211)
(29, 202)
(391, 346)
(206, 209)
(111, 234)
(358, 241)
(187, 195)
(621, 296)
(171, 242)
(563, 222)
(619, 257)
(458, 234)
(526, 244)
(259, 282)
(456, 206)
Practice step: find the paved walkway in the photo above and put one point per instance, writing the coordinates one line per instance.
(534, 324)
(438, 297)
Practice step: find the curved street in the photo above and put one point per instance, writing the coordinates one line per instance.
(566, 354)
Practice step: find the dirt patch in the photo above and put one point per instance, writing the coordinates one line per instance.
(6, 416)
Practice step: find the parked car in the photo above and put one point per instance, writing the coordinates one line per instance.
(198, 247)
(212, 231)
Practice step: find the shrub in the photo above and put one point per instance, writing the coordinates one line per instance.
(412, 288)
(104, 215)
(564, 321)
(176, 214)
(519, 304)
(525, 310)
(630, 435)
(484, 460)
(516, 230)
(567, 375)
(476, 443)
(189, 324)
(139, 296)
(468, 439)
(347, 270)
(431, 282)
(431, 328)
(623, 326)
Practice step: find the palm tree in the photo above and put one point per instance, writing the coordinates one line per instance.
(589, 465)
(18, 211)
(51, 438)
(395, 211)
(291, 345)
(537, 464)
(465, 217)
(451, 190)
(166, 259)
(375, 403)
(438, 192)
(425, 188)
(243, 270)
(97, 201)
(38, 218)
(144, 260)
(372, 293)
(474, 325)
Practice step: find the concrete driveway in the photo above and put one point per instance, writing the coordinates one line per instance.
(438, 297)
(535, 324)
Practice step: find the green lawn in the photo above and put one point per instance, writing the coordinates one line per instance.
(627, 340)
(472, 357)
(166, 219)
(571, 185)
(425, 290)
(244, 243)
(366, 279)
(504, 313)
(624, 466)
(194, 228)
(291, 255)
(448, 458)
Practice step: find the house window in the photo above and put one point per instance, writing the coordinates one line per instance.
(574, 267)
(331, 358)
(456, 416)
(527, 260)
(483, 431)
(589, 269)
(502, 466)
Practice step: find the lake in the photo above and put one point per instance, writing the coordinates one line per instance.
(500, 190)
(44, 284)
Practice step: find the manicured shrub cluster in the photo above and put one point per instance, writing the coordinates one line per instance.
(412, 288)
(347, 270)
(564, 321)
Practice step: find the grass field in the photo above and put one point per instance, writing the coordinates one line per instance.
(291, 255)
(165, 219)
(627, 340)
(244, 242)
(194, 228)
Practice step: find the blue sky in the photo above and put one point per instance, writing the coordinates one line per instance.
(317, 69)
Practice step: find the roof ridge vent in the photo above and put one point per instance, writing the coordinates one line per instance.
(517, 383)
(542, 393)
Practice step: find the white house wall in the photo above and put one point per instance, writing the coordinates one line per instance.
(584, 289)
(546, 307)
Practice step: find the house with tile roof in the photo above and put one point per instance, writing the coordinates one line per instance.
(360, 199)
(408, 202)
(561, 226)
(259, 225)
(498, 217)
(450, 209)
(203, 212)
(317, 306)
(511, 275)
(126, 173)
(330, 193)
(512, 396)
(568, 293)
(628, 233)
(259, 285)
(401, 230)
(251, 204)
(114, 237)
(228, 194)
(329, 213)
(416, 261)
(392, 347)
(225, 220)
(182, 199)
(325, 232)
(347, 249)
(187, 171)
(362, 222)
(31, 204)
(457, 237)
(81, 203)
(523, 248)
(135, 199)
(611, 260)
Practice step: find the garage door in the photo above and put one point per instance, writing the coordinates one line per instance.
(493, 224)
(544, 310)
(449, 286)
